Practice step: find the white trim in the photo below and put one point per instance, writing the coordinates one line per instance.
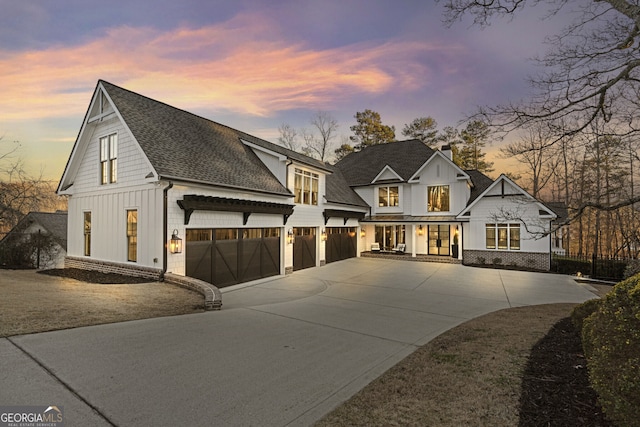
(251, 145)
(416, 176)
(384, 169)
(522, 192)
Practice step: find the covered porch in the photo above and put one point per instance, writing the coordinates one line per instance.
(429, 238)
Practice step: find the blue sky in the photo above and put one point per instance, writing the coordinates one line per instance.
(253, 65)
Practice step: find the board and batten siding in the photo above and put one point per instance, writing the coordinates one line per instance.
(109, 225)
(485, 211)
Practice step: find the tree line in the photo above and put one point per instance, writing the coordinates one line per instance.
(466, 144)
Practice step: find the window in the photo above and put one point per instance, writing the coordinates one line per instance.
(109, 159)
(438, 198)
(132, 235)
(305, 187)
(503, 236)
(87, 234)
(388, 196)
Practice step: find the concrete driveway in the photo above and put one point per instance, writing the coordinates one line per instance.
(282, 352)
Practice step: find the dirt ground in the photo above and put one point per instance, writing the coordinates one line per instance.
(34, 302)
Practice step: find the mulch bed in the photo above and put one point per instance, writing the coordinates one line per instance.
(555, 387)
(91, 276)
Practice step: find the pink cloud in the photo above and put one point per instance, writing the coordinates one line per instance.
(241, 65)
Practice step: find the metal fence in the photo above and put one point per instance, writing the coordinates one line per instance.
(594, 266)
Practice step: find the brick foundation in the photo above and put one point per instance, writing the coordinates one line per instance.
(113, 267)
(527, 260)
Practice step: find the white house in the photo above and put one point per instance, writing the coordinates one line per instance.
(421, 199)
(153, 190)
(39, 237)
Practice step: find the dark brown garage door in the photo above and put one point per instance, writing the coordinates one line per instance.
(341, 243)
(304, 248)
(227, 256)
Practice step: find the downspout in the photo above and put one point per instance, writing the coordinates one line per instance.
(165, 224)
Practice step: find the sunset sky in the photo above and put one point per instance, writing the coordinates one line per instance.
(253, 65)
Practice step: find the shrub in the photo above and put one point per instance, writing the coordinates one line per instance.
(611, 340)
(565, 265)
(632, 268)
(496, 261)
(582, 311)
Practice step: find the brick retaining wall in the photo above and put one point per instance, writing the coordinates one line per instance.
(212, 295)
(528, 260)
(113, 267)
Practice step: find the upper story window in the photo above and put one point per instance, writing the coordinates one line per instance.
(503, 236)
(305, 187)
(109, 159)
(438, 198)
(388, 196)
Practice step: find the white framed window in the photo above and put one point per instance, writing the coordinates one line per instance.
(87, 233)
(305, 187)
(109, 159)
(503, 237)
(438, 198)
(388, 196)
(132, 235)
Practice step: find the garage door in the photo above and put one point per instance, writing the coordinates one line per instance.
(341, 243)
(304, 248)
(227, 256)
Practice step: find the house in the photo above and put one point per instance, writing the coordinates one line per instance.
(155, 190)
(39, 239)
(143, 174)
(420, 198)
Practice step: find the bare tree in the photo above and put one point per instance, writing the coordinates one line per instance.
(537, 157)
(589, 76)
(21, 193)
(327, 127)
(288, 137)
(591, 70)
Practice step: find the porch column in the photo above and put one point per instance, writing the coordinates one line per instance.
(414, 237)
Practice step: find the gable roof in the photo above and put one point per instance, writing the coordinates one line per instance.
(520, 190)
(404, 157)
(183, 146)
(480, 183)
(55, 223)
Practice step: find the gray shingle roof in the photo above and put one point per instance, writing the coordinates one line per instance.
(480, 183)
(182, 145)
(404, 157)
(55, 224)
(338, 191)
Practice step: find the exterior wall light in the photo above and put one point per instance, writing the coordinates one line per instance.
(175, 244)
(420, 230)
(362, 233)
(323, 235)
(290, 236)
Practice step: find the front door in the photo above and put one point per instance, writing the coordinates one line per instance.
(439, 240)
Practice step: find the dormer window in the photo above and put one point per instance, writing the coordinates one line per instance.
(109, 159)
(388, 196)
(305, 187)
